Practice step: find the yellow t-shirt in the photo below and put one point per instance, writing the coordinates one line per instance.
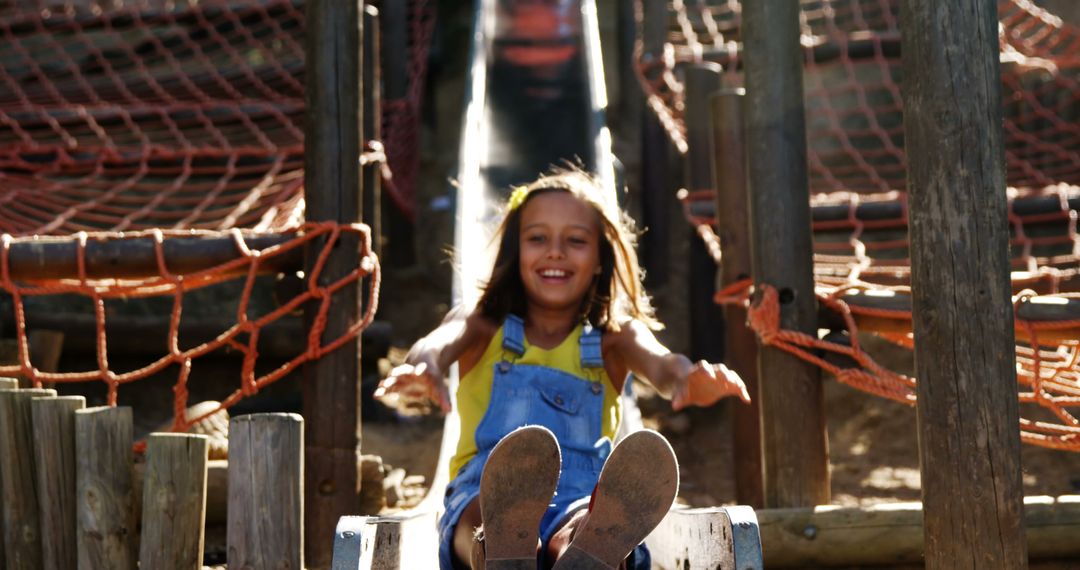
(474, 390)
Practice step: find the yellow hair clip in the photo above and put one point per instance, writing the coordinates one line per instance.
(517, 197)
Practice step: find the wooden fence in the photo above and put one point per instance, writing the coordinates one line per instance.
(70, 489)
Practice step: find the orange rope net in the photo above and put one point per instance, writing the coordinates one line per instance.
(137, 120)
(857, 176)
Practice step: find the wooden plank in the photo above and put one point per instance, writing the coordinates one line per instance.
(892, 533)
(969, 447)
(266, 501)
(331, 387)
(105, 510)
(54, 459)
(741, 349)
(18, 480)
(792, 401)
(174, 501)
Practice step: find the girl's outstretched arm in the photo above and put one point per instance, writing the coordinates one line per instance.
(674, 375)
(427, 362)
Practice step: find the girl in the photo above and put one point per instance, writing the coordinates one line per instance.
(561, 323)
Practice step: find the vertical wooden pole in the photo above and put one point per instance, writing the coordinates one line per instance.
(394, 54)
(741, 350)
(796, 456)
(969, 445)
(18, 481)
(105, 505)
(371, 206)
(333, 192)
(706, 317)
(5, 384)
(54, 458)
(266, 505)
(174, 501)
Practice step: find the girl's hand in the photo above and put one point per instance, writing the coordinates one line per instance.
(705, 384)
(407, 386)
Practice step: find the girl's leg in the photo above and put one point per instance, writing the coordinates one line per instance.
(467, 547)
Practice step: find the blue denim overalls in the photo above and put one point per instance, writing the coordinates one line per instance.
(570, 406)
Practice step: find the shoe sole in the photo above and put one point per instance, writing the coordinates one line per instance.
(516, 487)
(637, 487)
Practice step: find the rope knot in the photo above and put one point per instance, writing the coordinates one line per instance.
(763, 315)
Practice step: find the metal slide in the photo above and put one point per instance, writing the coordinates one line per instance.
(535, 99)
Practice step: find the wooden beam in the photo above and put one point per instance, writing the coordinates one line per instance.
(105, 516)
(741, 344)
(54, 459)
(18, 480)
(892, 533)
(332, 179)
(41, 258)
(969, 447)
(266, 503)
(792, 399)
(174, 501)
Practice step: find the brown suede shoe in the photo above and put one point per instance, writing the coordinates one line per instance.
(516, 487)
(637, 487)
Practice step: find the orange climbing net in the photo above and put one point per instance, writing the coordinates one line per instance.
(150, 121)
(857, 173)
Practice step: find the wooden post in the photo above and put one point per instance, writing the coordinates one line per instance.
(5, 384)
(394, 54)
(103, 463)
(706, 317)
(969, 446)
(45, 348)
(174, 501)
(331, 386)
(371, 208)
(741, 350)
(54, 460)
(266, 505)
(795, 452)
(18, 482)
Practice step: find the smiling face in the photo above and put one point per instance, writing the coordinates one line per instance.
(560, 250)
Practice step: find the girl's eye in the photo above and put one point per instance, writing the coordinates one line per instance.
(536, 238)
(578, 241)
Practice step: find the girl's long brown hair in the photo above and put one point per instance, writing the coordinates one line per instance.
(617, 292)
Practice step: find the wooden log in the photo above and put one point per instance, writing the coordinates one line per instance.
(706, 318)
(105, 510)
(371, 207)
(792, 401)
(54, 460)
(331, 388)
(57, 258)
(18, 480)
(892, 533)
(732, 205)
(266, 501)
(5, 384)
(174, 501)
(969, 447)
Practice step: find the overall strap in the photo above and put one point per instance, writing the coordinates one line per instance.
(589, 346)
(514, 335)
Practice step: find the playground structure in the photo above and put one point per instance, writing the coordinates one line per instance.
(849, 63)
(161, 262)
